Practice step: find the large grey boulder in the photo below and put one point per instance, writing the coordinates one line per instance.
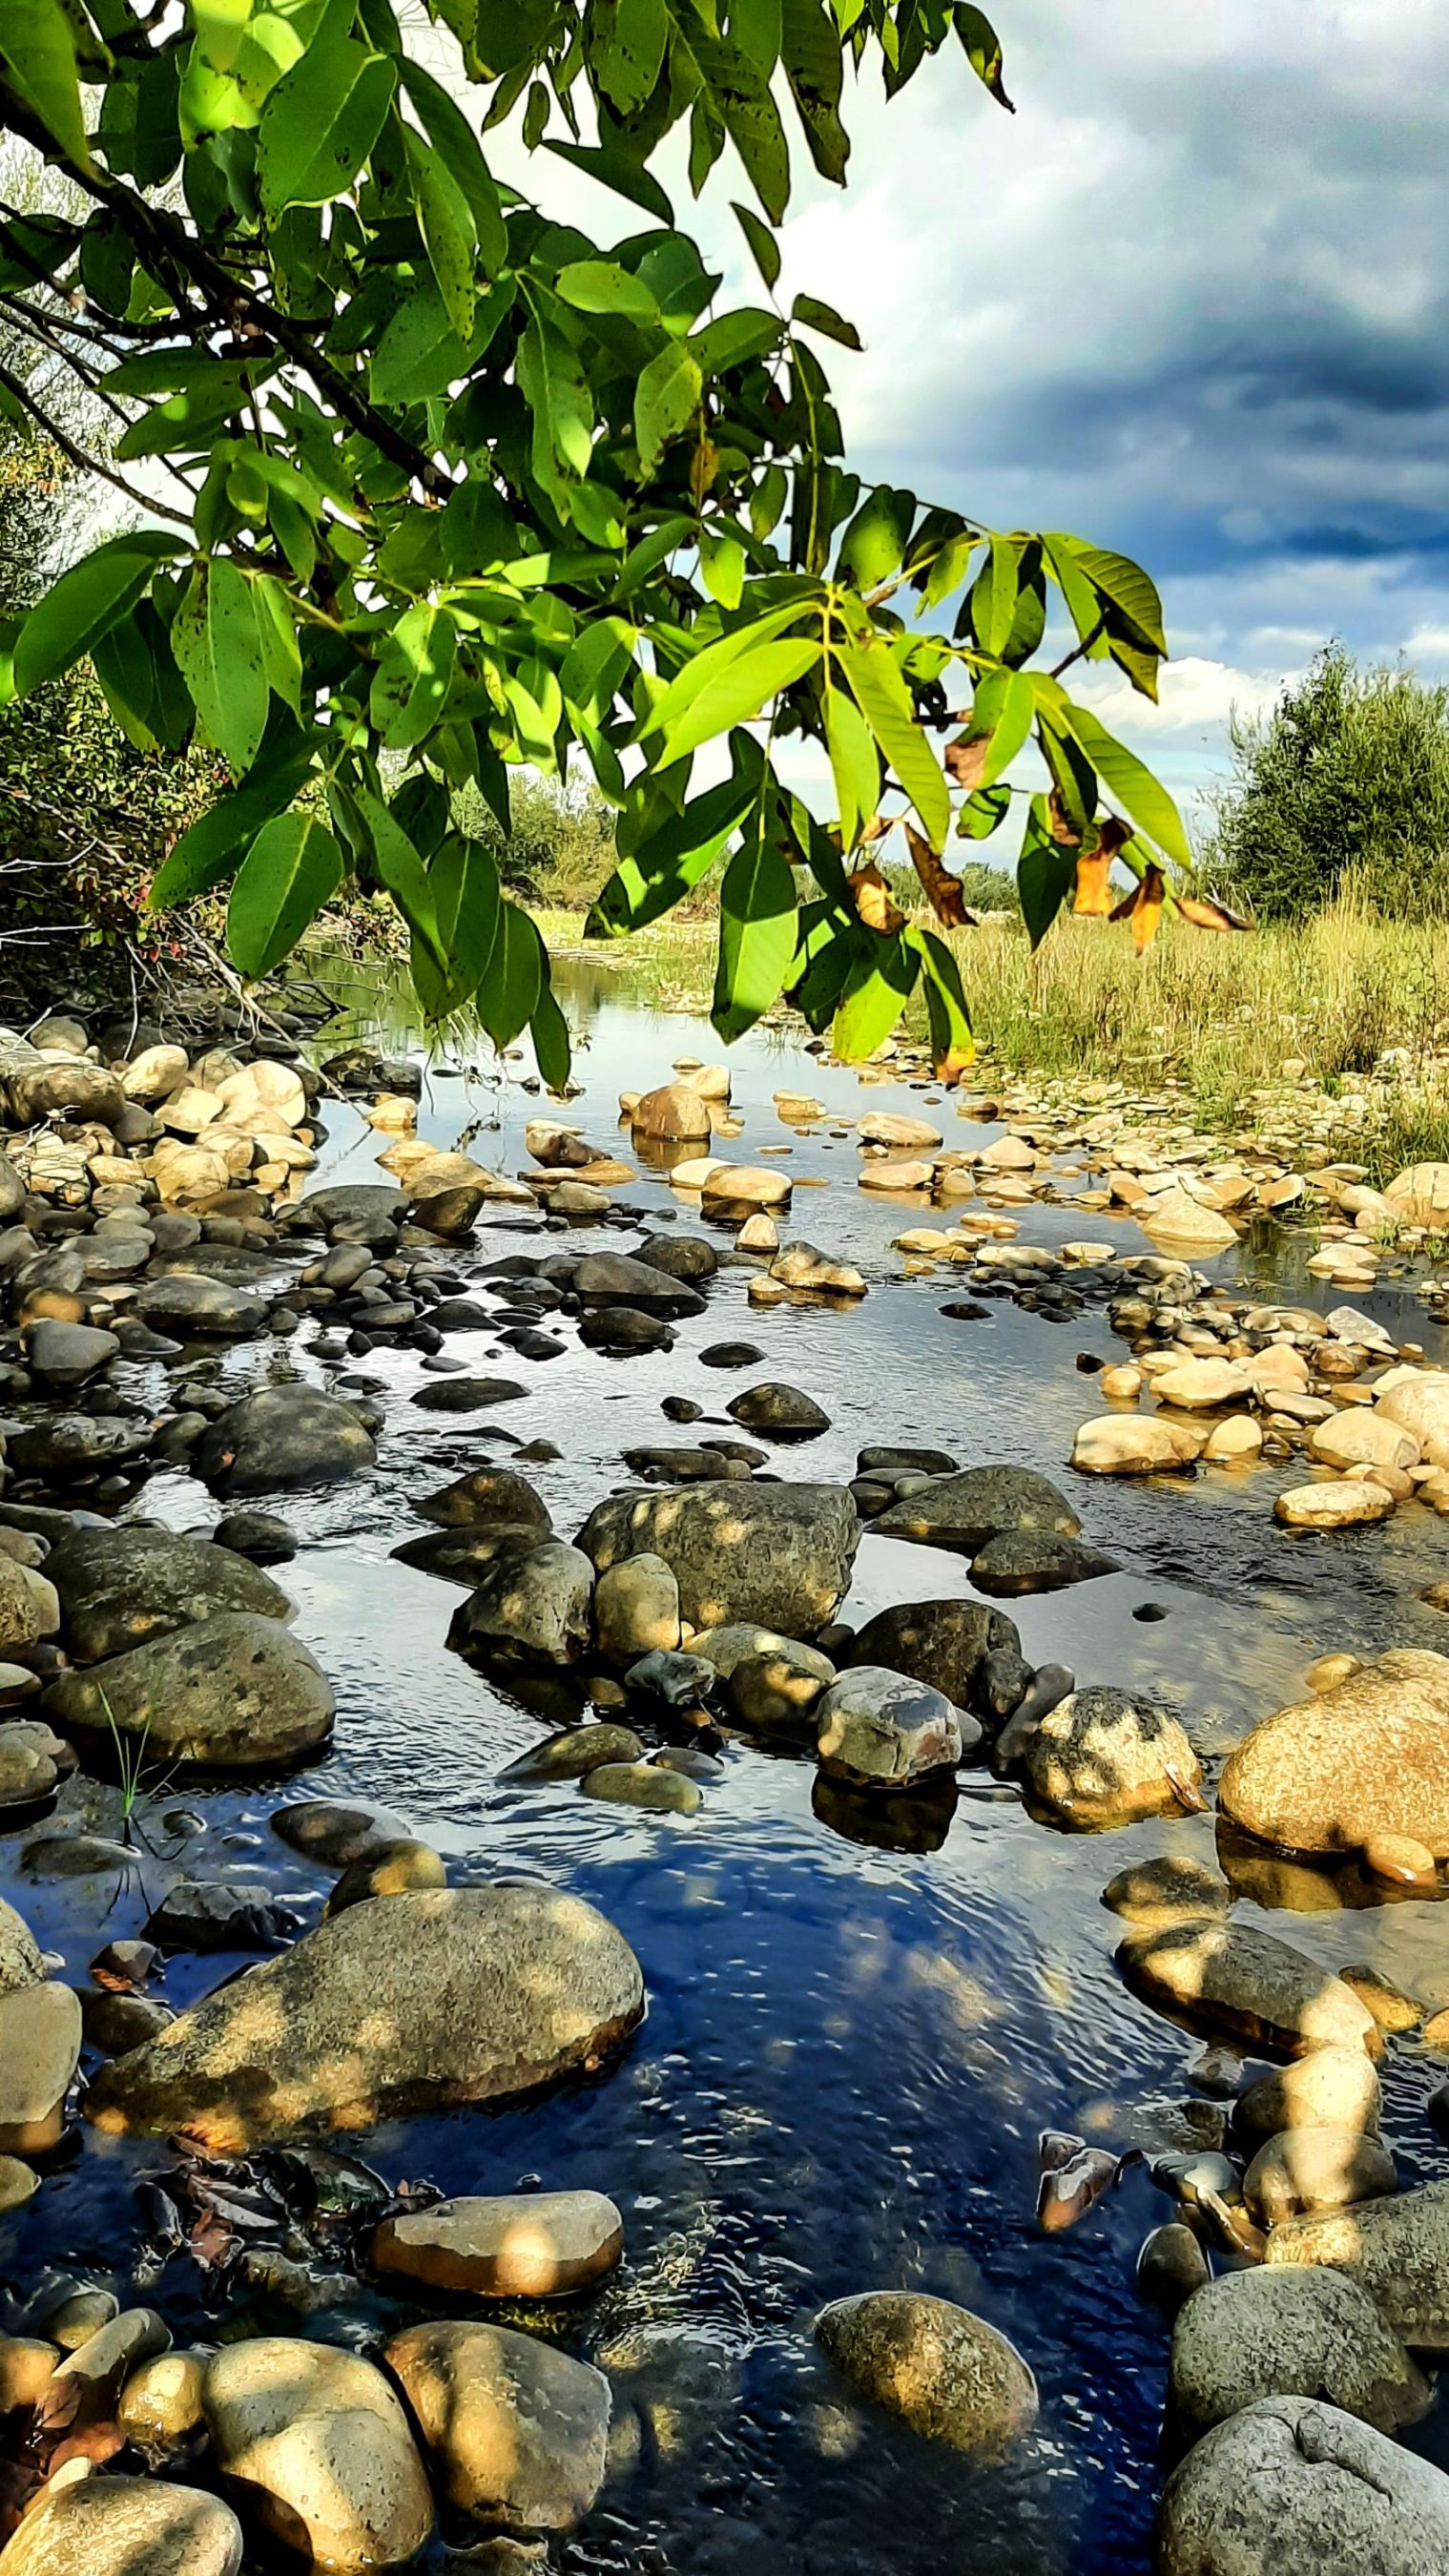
(1289, 2331)
(187, 1304)
(351, 1203)
(1368, 1758)
(965, 1510)
(235, 1692)
(1291, 2487)
(118, 1587)
(406, 2002)
(1103, 1758)
(1236, 1978)
(282, 1438)
(1398, 2249)
(617, 1279)
(776, 1555)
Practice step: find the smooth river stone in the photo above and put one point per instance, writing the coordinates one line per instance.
(528, 2245)
(1398, 2248)
(1291, 2487)
(1235, 1978)
(125, 2527)
(952, 2377)
(1351, 1765)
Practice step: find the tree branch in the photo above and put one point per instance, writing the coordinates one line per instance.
(12, 385)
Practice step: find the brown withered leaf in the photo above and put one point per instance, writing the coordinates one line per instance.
(877, 828)
(943, 891)
(211, 2241)
(1060, 824)
(1143, 908)
(98, 2443)
(966, 759)
(1094, 894)
(871, 897)
(1208, 915)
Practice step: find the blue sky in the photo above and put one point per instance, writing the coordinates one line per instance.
(1191, 300)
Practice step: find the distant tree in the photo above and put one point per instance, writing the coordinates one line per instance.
(1343, 787)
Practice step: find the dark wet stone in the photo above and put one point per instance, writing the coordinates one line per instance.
(624, 1330)
(575, 1750)
(234, 1692)
(605, 1279)
(487, 1494)
(963, 1310)
(675, 1679)
(119, 1587)
(284, 1438)
(1022, 1561)
(943, 1643)
(463, 1556)
(258, 1535)
(189, 1306)
(779, 1412)
(76, 1856)
(730, 1355)
(681, 1466)
(964, 1511)
(681, 1408)
(461, 1315)
(680, 1256)
(217, 1914)
(113, 2023)
(777, 1554)
(467, 1394)
(73, 1448)
(531, 1344)
(334, 1835)
(890, 1461)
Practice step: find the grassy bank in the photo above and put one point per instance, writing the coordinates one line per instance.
(1218, 1017)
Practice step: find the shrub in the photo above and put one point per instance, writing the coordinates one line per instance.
(1343, 788)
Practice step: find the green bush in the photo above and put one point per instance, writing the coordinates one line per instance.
(1343, 788)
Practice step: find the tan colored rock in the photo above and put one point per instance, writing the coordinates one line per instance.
(153, 1074)
(1331, 2088)
(530, 2245)
(317, 2442)
(1302, 2169)
(884, 1127)
(105, 2361)
(1419, 1405)
(27, 2366)
(897, 1172)
(124, 2527)
(1348, 1766)
(519, 2430)
(1008, 1154)
(1234, 1443)
(1235, 1978)
(40, 2038)
(160, 2404)
(1397, 2248)
(636, 1609)
(1347, 1502)
(1420, 1196)
(262, 1097)
(1176, 1217)
(738, 1189)
(1362, 1439)
(1400, 1859)
(1202, 1386)
(1115, 1444)
(24, 1603)
(759, 1233)
(1330, 1670)
(17, 2185)
(1122, 1383)
(20, 1961)
(676, 1114)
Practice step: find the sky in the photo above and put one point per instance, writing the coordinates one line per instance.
(1190, 301)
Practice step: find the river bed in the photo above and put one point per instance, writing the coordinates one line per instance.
(850, 2048)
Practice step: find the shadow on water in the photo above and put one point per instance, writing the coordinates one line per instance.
(859, 2017)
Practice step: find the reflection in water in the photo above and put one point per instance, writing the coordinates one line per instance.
(860, 2015)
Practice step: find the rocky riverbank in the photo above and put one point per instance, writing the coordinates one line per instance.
(184, 1305)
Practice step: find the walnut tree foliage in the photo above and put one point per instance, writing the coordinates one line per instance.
(453, 489)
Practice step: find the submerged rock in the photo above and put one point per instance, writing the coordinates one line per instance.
(237, 1692)
(1292, 2487)
(947, 2373)
(779, 1555)
(283, 1438)
(407, 2002)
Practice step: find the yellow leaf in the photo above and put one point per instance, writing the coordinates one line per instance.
(871, 897)
(943, 891)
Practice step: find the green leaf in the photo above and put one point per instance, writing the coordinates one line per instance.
(983, 813)
(419, 352)
(206, 855)
(628, 53)
(762, 242)
(413, 676)
(612, 170)
(456, 144)
(1046, 872)
(810, 45)
(218, 646)
(1083, 605)
(450, 239)
(321, 121)
(550, 1029)
(1003, 708)
(552, 380)
(735, 338)
(722, 567)
(952, 1045)
(143, 688)
(666, 400)
(672, 859)
(875, 542)
(854, 764)
(1130, 783)
(37, 54)
(189, 417)
(86, 603)
(877, 990)
(508, 995)
(292, 868)
(983, 50)
(818, 316)
(738, 693)
(1125, 587)
(602, 286)
(463, 881)
(994, 595)
(757, 27)
(758, 929)
(737, 91)
(885, 702)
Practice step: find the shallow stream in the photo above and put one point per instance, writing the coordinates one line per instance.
(850, 2048)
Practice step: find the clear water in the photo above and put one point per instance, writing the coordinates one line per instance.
(849, 2048)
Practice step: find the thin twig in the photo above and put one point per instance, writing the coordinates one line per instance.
(77, 456)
